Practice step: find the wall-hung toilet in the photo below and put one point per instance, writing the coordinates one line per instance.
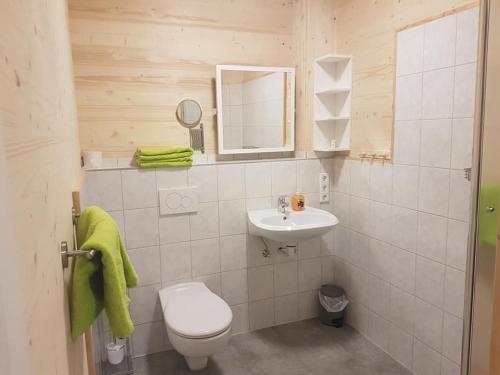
(198, 321)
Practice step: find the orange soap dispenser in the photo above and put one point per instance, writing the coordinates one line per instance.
(298, 202)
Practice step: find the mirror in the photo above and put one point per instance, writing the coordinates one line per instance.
(188, 112)
(255, 109)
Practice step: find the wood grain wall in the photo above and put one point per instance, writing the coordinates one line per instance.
(367, 31)
(134, 60)
(39, 144)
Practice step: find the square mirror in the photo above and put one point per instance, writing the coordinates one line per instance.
(255, 109)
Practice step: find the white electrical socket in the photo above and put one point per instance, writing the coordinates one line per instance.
(324, 188)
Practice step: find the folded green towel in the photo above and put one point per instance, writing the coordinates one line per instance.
(164, 157)
(152, 151)
(488, 221)
(174, 163)
(101, 282)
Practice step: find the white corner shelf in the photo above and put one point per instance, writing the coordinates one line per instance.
(332, 103)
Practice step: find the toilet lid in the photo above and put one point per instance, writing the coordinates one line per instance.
(193, 311)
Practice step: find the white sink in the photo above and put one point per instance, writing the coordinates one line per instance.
(291, 226)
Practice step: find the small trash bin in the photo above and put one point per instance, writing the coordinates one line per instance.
(333, 301)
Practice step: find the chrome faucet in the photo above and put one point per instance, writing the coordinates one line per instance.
(282, 204)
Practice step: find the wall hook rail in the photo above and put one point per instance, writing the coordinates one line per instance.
(63, 246)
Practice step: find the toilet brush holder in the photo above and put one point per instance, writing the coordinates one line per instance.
(116, 351)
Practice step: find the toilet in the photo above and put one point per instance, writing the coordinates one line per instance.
(198, 321)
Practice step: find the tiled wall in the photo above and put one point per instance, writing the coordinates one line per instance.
(254, 112)
(400, 248)
(212, 245)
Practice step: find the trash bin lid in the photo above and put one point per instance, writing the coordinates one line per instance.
(331, 290)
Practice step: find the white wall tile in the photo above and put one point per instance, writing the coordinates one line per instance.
(379, 292)
(409, 97)
(205, 222)
(405, 186)
(261, 314)
(467, 36)
(260, 283)
(428, 324)
(381, 221)
(452, 337)
(148, 339)
(358, 317)
(426, 361)
(358, 285)
(378, 330)
(456, 246)
(439, 44)
(308, 176)
(286, 308)
(146, 262)
(435, 147)
(205, 178)
(171, 178)
(454, 291)
(231, 181)
(103, 189)
(403, 269)
(234, 287)
(449, 368)
(432, 235)
(309, 274)
(139, 188)
(233, 218)
(284, 178)
(259, 203)
(407, 142)
(359, 253)
(240, 321)
(359, 216)
(460, 192)
(340, 182)
(404, 228)
(145, 304)
(381, 182)
(401, 346)
(461, 143)
(437, 94)
(410, 51)
(258, 180)
(327, 270)
(341, 207)
(402, 309)
(213, 282)
(309, 248)
(205, 257)
(434, 184)
(118, 217)
(342, 241)
(308, 304)
(233, 252)
(327, 243)
(141, 227)
(380, 259)
(285, 278)
(465, 93)
(430, 281)
(175, 261)
(174, 228)
(360, 179)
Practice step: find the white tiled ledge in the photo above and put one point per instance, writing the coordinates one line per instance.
(210, 159)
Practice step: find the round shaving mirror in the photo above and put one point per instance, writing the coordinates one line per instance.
(188, 113)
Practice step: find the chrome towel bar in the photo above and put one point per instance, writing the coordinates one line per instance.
(63, 246)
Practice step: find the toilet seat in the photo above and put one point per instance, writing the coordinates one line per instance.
(192, 311)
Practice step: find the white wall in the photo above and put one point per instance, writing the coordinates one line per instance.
(213, 245)
(401, 246)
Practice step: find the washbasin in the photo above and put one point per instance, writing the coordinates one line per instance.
(290, 226)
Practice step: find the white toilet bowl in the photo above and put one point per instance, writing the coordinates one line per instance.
(198, 321)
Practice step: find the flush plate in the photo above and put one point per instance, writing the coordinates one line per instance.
(178, 200)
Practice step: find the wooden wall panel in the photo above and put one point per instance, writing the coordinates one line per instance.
(40, 148)
(367, 31)
(135, 60)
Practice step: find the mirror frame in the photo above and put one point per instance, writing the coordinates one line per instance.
(180, 121)
(220, 124)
